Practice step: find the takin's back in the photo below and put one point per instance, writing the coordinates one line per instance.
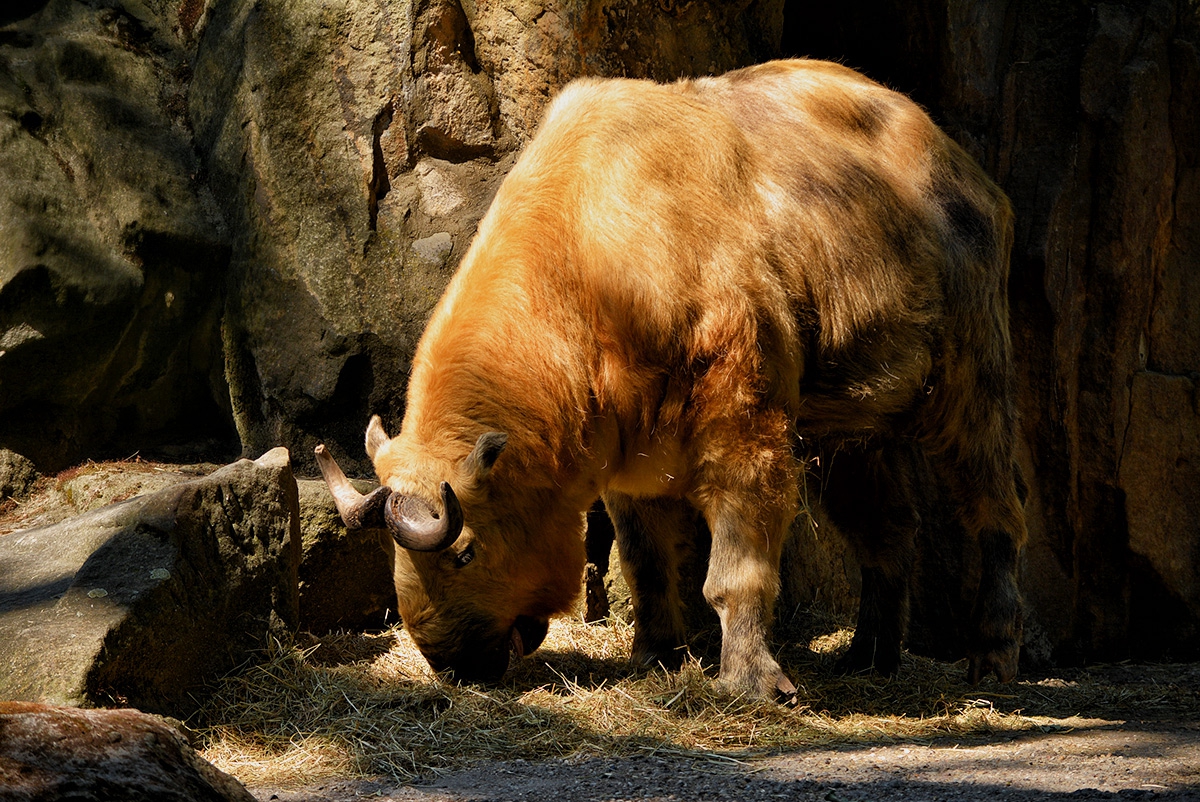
(793, 222)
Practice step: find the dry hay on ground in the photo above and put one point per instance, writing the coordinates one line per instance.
(357, 705)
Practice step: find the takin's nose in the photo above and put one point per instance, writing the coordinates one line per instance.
(527, 634)
(476, 665)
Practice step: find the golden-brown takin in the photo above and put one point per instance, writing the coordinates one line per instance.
(678, 292)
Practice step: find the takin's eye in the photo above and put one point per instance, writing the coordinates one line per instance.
(464, 557)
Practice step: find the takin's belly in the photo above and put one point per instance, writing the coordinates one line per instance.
(650, 467)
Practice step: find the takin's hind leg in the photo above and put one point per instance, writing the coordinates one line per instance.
(868, 496)
(651, 535)
(598, 544)
(990, 494)
(973, 455)
(975, 459)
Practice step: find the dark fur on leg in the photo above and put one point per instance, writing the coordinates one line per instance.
(868, 495)
(882, 614)
(997, 617)
(648, 533)
(599, 542)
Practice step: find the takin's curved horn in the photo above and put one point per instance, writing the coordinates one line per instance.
(413, 523)
(357, 511)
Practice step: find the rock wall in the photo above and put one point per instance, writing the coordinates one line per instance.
(356, 146)
(114, 248)
(1105, 317)
(230, 219)
(224, 223)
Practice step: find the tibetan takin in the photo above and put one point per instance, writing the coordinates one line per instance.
(679, 293)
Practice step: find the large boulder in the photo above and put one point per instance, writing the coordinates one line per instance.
(113, 254)
(48, 754)
(145, 601)
(345, 576)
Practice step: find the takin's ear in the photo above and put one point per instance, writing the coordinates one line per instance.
(487, 451)
(376, 436)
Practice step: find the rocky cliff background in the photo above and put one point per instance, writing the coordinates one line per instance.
(224, 222)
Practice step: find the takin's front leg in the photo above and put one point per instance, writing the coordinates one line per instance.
(741, 585)
(650, 536)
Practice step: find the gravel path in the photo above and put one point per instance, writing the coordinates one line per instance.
(1099, 760)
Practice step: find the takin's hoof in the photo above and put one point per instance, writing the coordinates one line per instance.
(774, 687)
(785, 691)
(1001, 660)
(866, 655)
(670, 658)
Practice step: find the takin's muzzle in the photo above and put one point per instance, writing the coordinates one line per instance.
(481, 653)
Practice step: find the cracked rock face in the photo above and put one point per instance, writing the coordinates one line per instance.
(223, 224)
(412, 114)
(209, 207)
(112, 246)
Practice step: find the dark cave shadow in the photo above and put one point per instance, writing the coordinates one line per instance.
(14, 10)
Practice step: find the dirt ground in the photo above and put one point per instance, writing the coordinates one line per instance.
(1098, 760)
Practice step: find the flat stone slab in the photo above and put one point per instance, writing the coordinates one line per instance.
(145, 601)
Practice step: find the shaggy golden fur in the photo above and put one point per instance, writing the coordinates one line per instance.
(678, 290)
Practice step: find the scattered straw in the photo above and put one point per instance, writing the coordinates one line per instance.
(358, 705)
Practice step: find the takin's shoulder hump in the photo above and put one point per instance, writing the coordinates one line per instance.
(620, 105)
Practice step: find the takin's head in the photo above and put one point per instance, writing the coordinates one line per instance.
(477, 576)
